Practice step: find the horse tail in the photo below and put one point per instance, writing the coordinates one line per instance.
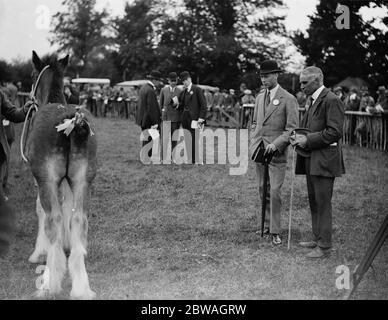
(77, 123)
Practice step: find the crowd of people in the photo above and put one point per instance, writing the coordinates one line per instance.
(357, 99)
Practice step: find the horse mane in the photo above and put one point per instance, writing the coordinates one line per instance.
(56, 92)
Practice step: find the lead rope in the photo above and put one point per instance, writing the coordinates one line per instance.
(33, 106)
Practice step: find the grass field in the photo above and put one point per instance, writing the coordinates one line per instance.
(188, 232)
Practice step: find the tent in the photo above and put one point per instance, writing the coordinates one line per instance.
(203, 87)
(133, 83)
(90, 81)
(350, 82)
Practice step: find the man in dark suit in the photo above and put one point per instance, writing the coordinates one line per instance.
(9, 111)
(169, 101)
(193, 103)
(324, 118)
(148, 115)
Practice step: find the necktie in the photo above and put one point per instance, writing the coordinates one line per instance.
(309, 103)
(267, 101)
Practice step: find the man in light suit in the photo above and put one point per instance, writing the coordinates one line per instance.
(192, 102)
(324, 118)
(169, 102)
(275, 117)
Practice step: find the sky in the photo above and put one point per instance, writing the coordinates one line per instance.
(24, 24)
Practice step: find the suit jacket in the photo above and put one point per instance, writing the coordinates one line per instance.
(148, 112)
(276, 125)
(166, 96)
(194, 102)
(325, 119)
(13, 114)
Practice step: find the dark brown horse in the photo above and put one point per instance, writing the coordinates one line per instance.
(64, 166)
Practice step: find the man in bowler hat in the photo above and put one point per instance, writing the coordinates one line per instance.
(192, 102)
(148, 115)
(324, 118)
(275, 117)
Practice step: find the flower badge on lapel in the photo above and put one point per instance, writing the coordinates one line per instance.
(276, 102)
(191, 93)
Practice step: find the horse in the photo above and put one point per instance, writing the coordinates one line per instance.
(63, 163)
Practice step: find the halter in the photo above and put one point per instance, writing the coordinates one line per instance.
(34, 105)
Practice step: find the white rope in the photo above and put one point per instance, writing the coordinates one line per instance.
(33, 106)
(292, 197)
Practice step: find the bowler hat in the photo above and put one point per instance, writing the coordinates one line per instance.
(172, 76)
(302, 152)
(156, 75)
(269, 66)
(381, 89)
(185, 75)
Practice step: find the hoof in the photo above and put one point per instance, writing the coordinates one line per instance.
(86, 295)
(37, 258)
(44, 294)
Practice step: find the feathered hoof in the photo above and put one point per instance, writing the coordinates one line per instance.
(87, 294)
(37, 258)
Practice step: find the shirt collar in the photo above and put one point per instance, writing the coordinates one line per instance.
(152, 85)
(189, 87)
(316, 94)
(273, 91)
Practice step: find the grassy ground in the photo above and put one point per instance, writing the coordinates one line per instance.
(183, 232)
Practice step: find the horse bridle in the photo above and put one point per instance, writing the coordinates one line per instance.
(34, 106)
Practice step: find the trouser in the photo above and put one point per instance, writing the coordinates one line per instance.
(191, 142)
(277, 173)
(320, 192)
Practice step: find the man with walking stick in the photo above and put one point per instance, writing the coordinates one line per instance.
(324, 118)
(275, 118)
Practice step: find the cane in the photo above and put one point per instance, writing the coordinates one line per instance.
(264, 199)
(291, 197)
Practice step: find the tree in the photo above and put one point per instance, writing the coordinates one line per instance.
(80, 30)
(357, 51)
(136, 53)
(212, 38)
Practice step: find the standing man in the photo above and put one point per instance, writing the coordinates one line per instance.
(324, 118)
(9, 111)
(169, 101)
(148, 115)
(275, 117)
(193, 103)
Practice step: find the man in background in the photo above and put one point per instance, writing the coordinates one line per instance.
(192, 102)
(148, 114)
(169, 101)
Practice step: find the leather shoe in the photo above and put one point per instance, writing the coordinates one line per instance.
(318, 253)
(308, 244)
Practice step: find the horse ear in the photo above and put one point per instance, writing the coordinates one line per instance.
(64, 62)
(38, 64)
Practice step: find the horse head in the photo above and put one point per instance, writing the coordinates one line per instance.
(48, 82)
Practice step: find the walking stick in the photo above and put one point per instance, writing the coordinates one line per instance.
(264, 198)
(292, 197)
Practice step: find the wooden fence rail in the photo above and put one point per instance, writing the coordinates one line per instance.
(360, 128)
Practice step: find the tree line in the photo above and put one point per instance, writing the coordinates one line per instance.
(221, 42)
